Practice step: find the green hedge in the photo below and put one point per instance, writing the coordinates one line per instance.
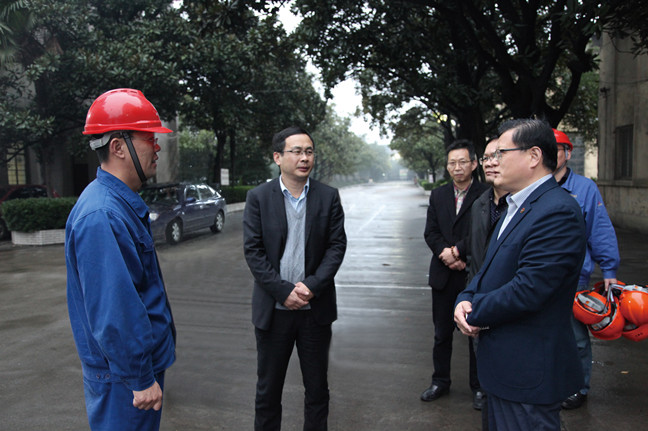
(34, 214)
(235, 194)
(429, 186)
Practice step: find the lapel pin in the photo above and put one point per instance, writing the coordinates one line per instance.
(522, 210)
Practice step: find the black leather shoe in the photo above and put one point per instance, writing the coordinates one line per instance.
(434, 392)
(574, 401)
(478, 400)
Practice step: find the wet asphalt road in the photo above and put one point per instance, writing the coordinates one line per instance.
(381, 352)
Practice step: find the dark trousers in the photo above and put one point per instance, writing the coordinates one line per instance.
(274, 347)
(504, 415)
(443, 317)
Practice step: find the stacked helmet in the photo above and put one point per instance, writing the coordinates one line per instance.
(561, 138)
(122, 109)
(634, 332)
(590, 307)
(633, 303)
(611, 327)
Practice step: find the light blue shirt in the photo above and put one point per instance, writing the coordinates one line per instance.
(297, 203)
(515, 201)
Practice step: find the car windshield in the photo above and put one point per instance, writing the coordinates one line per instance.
(164, 195)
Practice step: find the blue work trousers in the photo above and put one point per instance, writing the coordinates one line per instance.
(109, 404)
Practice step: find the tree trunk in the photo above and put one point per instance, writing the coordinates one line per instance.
(232, 144)
(221, 137)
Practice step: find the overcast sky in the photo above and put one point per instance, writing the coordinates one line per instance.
(345, 98)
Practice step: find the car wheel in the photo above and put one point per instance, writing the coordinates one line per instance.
(219, 222)
(174, 232)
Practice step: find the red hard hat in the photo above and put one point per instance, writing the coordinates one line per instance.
(122, 109)
(634, 332)
(633, 303)
(561, 138)
(590, 307)
(611, 327)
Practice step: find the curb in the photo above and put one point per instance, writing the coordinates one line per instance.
(232, 208)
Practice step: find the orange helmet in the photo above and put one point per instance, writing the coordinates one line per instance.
(633, 303)
(590, 307)
(561, 138)
(122, 109)
(611, 327)
(634, 332)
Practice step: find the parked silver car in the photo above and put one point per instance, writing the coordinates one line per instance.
(176, 209)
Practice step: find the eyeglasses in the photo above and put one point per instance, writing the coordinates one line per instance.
(308, 152)
(497, 154)
(461, 163)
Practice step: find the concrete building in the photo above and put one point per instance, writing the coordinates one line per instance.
(623, 133)
(68, 175)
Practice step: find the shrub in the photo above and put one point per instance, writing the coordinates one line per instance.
(439, 183)
(425, 184)
(234, 194)
(34, 214)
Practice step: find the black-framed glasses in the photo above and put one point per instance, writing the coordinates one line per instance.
(497, 154)
(308, 152)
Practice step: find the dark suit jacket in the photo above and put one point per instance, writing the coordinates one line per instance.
(265, 231)
(479, 233)
(444, 228)
(523, 294)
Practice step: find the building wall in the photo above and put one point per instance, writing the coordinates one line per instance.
(623, 101)
(168, 161)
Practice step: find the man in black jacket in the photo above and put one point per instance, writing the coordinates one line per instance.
(446, 228)
(294, 243)
(485, 212)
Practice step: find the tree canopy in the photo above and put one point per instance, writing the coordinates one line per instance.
(420, 143)
(229, 67)
(70, 53)
(475, 62)
(242, 74)
(219, 65)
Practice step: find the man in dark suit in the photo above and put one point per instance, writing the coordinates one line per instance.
(294, 243)
(446, 228)
(520, 302)
(485, 213)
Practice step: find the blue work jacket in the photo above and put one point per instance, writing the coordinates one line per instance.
(602, 247)
(119, 312)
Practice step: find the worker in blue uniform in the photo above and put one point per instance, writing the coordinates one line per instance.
(118, 306)
(602, 249)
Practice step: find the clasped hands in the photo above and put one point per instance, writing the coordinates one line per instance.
(299, 297)
(450, 257)
(463, 309)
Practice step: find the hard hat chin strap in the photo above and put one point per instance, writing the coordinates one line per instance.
(136, 162)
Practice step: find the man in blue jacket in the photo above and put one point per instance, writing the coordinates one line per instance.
(520, 301)
(602, 248)
(118, 307)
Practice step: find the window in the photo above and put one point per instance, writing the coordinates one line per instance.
(192, 192)
(206, 192)
(624, 152)
(16, 167)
